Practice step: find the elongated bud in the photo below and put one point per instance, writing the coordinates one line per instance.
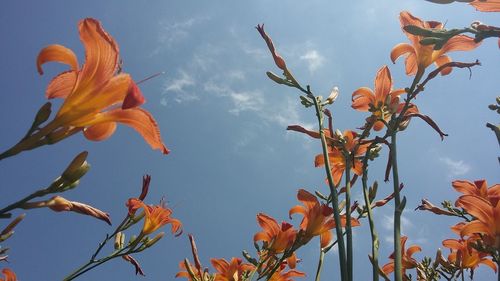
(119, 240)
(333, 95)
(430, 41)
(77, 168)
(154, 240)
(43, 114)
(276, 78)
(57, 136)
(372, 191)
(416, 30)
(13, 224)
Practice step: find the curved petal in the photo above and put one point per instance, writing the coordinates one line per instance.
(459, 43)
(100, 132)
(338, 171)
(292, 261)
(452, 244)
(297, 209)
(221, 265)
(56, 53)
(388, 268)
(477, 207)
(61, 85)
(412, 250)
(400, 50)
(134, 97)
(309, 200)
(9, 274)
(411, 65)
(464, 186)
(140, 120)
(441, 61)
(383, 84)
(362, 98)
(325, 238)
(261, 236)
(268, 224)
(486, 6)
(101, 54)
(378, 126)
(474, 227)
(489, 263)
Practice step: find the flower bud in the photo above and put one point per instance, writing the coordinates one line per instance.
(13, 224)
(43, 114)
(77, 168)
(119, 240)
(276, 78)
(333, 95)
(154, 240)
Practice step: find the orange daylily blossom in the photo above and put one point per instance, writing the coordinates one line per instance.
(279, 275)
(9, 275)
(156, 216)
(230, 271)
(418, 56)
(338, 160)
(478, 188)
(276, 238)
(384, 102)
(486, 5)
(407, 261)
(487, 220)
(318, 219)
(464, 256)
(97, 95)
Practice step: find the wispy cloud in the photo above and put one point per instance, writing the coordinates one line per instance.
(174, 32)
(177, 87)
(455, 167)
(242, 100)
(313, 59)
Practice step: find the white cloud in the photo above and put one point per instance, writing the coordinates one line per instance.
(242, 100)
(174, 32)
(455, 167)
(313, 59)
(177, 87)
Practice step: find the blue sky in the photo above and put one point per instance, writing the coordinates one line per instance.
(224, 122)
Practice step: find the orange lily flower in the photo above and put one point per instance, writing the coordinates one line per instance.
(9, 275)
(318, 219)
(276, 238)
(466, 257)
(478, 188)
(384, 102)
(337, 158)
(156, 216)
(97, 95)
(487, 218)
(486, 5)
(230, 271)
(279, 275)
(421, 56)
(407, 261)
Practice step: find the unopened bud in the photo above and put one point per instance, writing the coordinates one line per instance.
(154, 240)
(498, 100)
(372, 191)
(374, 152)
(430, 41)
(493, 107)
(416, 30)
(6, 236)
(276, 78)
(43, 114)
(119, 240)
(13, 224)
(57, 136)
(77, 168)
(333, 95)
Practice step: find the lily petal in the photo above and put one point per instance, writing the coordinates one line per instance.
(486, 6)
(61, 85)
(56, 53)
(400, 50)
(441, 61)
(101, 55)
(460, 43)
(141, 121)
(383, 83)
(362, 98)
(100, 132)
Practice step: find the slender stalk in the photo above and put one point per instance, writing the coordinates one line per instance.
(398, 209)
(373, 232)
(320, 264)
(333, 190)
(350, 259)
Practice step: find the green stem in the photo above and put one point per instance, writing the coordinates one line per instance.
(320, 264)
(333, 191)
(30, 142)
(398, 209)
(348, 227)
(373, 232)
